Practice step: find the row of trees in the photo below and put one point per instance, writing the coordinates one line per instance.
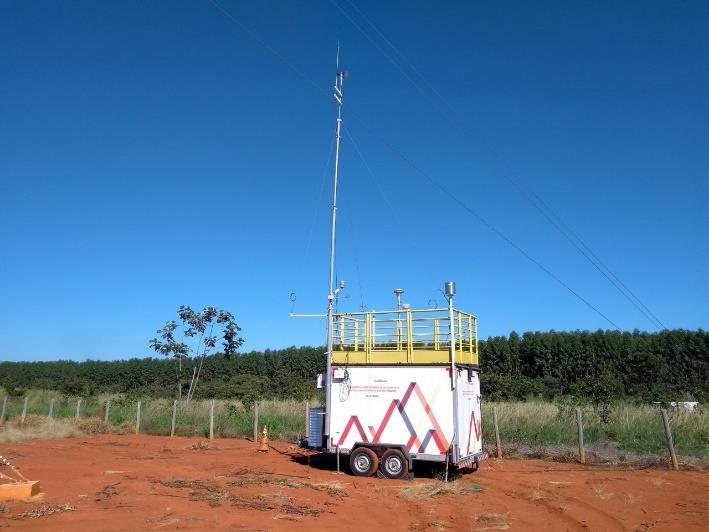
(283, 373)
(672, 364)
(598, 365)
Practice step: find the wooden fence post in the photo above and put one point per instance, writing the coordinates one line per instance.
(108, 407)
(24, 410)
(51, 408)
(4, 410)
(579, 423)
(211, 419)
(137, 419)
(174, 417)
(668, 437)
(497, 432)
(78, 408)
(307, 420)
(255, 421)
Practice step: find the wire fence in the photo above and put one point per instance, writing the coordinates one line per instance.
(163, 417)
(542, 429)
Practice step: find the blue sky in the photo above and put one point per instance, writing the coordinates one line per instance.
(154, 154)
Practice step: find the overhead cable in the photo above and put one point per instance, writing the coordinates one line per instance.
(441, 105)
(406, 159)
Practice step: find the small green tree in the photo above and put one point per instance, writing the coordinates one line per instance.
(76, 388)
(11, 387)
(198, 328)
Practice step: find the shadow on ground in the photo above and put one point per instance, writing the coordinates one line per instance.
(328, 462)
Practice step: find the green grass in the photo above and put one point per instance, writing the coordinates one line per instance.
(232, 419)
(634, 429)
(631, 428)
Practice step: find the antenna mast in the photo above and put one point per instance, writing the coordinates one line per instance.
(332, 292)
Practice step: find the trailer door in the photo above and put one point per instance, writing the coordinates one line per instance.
(469, 423)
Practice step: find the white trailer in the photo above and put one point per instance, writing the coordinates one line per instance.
(399, 393)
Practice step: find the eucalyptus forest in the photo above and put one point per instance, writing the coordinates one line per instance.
(597, 366)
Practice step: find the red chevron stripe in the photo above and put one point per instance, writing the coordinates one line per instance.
(400, 405)
(354, 420)
(478, 429)
(441, 442)
(434, 421)
(437, 433)
(385, 421)
(413, 440)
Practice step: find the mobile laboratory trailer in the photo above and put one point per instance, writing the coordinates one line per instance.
(405, 386)
(401, 385)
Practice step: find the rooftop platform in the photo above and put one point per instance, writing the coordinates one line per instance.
(404, 337)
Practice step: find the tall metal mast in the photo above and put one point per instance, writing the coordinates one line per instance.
(332, 292)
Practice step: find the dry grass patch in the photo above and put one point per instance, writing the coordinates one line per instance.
(215, 495)
(201, 445)
(44, 428)
(439, 525)
(657, 481)
(94, 425)
(601, 492)
(493, 521)
(536, 495)
(106, 492)
(438, 489)
(596, 454)
(630, 498)
(37, 428)
(44, 511)
(245, 477)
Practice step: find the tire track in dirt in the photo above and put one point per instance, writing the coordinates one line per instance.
(556, 514)
(598, 519)
(494, 508)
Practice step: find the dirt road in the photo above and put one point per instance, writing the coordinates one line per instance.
(156, 483)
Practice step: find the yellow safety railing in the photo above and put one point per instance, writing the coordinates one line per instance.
(404, 337)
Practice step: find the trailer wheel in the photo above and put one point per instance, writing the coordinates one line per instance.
(394, 464)
(363, 462)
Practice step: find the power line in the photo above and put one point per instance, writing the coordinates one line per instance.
(356, 261)
(486, 223)
(316, 210)
(391, 45)
(406, 159)
(273, 51)
(542, 207)
(578, 238)
(392, 208)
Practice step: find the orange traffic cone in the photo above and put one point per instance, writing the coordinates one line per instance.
(263, 447)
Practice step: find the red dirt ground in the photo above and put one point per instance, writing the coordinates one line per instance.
(154, 483)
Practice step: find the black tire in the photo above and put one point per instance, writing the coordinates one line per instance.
(363, 462)
(394, 464)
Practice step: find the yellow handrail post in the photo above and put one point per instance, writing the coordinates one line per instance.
(409, 337)
(436, 339)
(367, 333)
(460, 331)
(477, 352)
(370, 346)
(398, 334)
(342, 333)
(356, 335)
(470, 333)
(373, 333)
